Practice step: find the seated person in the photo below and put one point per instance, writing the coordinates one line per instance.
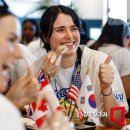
(9, 51)
(60, 25)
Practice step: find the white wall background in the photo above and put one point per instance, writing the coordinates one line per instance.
(89, 9)
(118, 9)
(86, 9)
(94, 9)
(128, 10)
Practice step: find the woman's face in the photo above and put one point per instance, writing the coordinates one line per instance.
(65, 32)
(10, 32)
(29, 31)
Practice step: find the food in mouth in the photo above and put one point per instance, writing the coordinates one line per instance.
(55, 56)
(61, 50)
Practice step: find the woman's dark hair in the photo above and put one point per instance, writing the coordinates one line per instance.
(34, 23)
(84, 38)
(48, 19)
(112, 34)
(4, 13)
(4, 9)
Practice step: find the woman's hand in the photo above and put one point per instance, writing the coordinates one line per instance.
(106, 76)
(49, 67)
(53, 59)
(24, 90)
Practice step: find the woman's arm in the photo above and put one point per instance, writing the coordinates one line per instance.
(106, 77)
(109, 102)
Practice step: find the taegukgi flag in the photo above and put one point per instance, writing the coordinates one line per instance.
(86, 99)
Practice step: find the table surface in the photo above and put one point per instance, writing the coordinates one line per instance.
(97, 128)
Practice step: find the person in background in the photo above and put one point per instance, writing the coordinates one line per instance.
(60, 25)
(10, 33)
(85, 39)
(114, 40)
(30, 31)
(128, 44)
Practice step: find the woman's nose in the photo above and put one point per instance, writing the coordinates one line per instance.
(17, 54)
(69, 34)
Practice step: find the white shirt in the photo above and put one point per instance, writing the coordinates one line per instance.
(9, 116)
(90, 63)
(36, 47)
(120, 56)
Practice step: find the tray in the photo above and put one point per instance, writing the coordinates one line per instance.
(85, 127)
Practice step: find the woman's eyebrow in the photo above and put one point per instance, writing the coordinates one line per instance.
(73, 26)
(60, 27)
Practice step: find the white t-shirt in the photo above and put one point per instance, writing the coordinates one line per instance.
(90, 63)
(21, 65)
(120, 56)
(36, 47)
(9, 116)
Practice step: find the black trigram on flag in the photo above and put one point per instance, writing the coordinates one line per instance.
(89, 88)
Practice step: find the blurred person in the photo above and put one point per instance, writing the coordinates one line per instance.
(60, 25)
(30, 31)
(85, 39)
(127, 45)
(10, 33)
(114, 40)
